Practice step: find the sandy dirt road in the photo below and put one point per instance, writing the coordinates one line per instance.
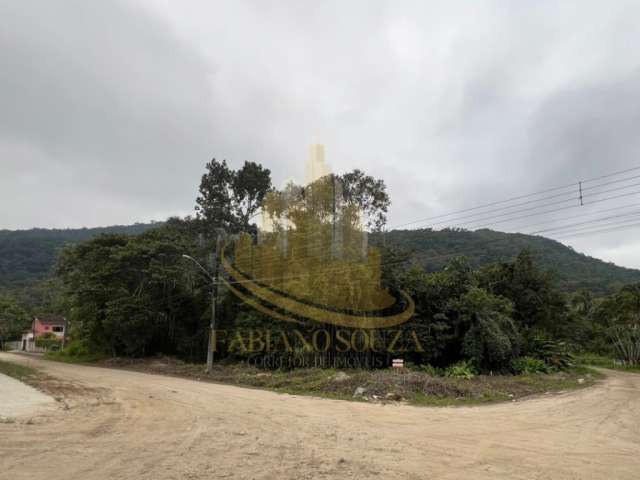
(18, 399)
(127, 425)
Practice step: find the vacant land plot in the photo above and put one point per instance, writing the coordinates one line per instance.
(122, 424)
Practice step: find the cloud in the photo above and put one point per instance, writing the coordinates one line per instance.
(111, 110)
(103, 114)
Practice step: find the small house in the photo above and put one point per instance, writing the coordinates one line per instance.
(49, 325)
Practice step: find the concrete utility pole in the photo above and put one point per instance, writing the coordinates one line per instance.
(214, 300)
(214, 295)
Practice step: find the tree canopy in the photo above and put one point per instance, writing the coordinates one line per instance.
(230, 198)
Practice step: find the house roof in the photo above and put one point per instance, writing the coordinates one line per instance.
(51, 319)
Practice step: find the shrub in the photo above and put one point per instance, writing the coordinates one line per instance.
(462, 369)
(49, 341)
(554, 353)
(491, 342)
(595, 360)
(492, 339)
(76, 348)
(75, 351)
(530, 365)
(428, 369)
(626, 340)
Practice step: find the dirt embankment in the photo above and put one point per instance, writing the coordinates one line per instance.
(122, 424)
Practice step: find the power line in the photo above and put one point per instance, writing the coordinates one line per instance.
(573, 198)
(557, 210)
(276, 260)
(583, 223)
(473, 218)
(621, 227)
(595, 212)
(570, 185)
(576, 199)
(507, 214)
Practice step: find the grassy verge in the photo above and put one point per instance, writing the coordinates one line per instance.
(62, 356)
(594, 360)
(414, 387)
(75, 352)
(19, 372)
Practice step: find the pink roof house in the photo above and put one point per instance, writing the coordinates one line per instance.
(41, 325)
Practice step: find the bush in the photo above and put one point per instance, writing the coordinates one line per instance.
(626, 340)
(49, 341)
(530, 365)
(428, 369)
(75, 351)
(492, 342)
(462, 369)
(492, 339)
(554, 353)
(595, 360)
(76, 348)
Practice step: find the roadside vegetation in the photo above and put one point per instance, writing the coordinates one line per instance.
(75, 352)
(475, 324)
(601, 361)
(414, 385)
(19, 372)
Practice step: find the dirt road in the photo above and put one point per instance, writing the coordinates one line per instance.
(128, 425)
(16, 398)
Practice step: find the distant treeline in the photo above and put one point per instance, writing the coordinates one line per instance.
(136, 296)
(484, 300)
(573, 271)
(29, 255)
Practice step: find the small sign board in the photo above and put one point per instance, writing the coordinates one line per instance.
(397, 363)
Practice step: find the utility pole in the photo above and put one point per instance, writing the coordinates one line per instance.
(580, 191)
(214, 300)
(214, 294)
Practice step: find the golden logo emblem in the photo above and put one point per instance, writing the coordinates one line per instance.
(311, 260)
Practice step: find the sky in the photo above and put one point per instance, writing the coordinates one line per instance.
(109, 111)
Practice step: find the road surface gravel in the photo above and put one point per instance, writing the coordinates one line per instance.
(117, 424)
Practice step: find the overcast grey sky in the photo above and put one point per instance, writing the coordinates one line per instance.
(109, 110)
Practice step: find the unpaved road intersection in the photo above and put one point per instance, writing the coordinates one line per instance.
(115, 424)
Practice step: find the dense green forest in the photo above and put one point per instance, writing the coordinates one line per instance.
(485, 300)
(29, 255)
(433, 249)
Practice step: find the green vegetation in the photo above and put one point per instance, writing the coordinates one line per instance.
(572, 271)
(75, 352)
(27, 256)
(530, 365)
(595, 360)
(462, 369)
(502, 308)
(13, 319)
(19, 372)
(413, 385)
(49, 341)
(230, 198)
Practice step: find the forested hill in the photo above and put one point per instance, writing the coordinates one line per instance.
(28, 255)
(573, 270)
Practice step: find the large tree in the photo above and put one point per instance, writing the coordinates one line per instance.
(621, 315)
(369, 194)
(230, 198)
(13, 319)
(536, 300)
(136, 295)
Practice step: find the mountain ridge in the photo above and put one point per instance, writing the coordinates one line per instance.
(432, 249)
(29, 255)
